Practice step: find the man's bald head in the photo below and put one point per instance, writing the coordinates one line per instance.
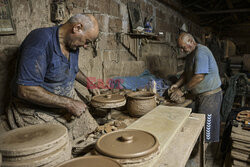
(186, 38)
(87, 20)
(80, 30)
(186, 42)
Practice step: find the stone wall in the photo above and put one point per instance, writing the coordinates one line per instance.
(160, 59)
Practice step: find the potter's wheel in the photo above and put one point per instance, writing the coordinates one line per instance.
(108, 101)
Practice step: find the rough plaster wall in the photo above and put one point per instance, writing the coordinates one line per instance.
(113, 17)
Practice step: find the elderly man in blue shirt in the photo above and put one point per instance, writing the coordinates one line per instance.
(201, 78)
(46, 71)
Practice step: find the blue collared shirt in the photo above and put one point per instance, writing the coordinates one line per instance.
(42, 63)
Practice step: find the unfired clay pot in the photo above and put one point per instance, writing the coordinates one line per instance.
(140, 103)
(129, 147)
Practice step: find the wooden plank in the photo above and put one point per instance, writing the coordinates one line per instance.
(237, 154)
(241, 147)
(183, 142)
(163, 122)
(230, 6)
(241, 138)
(240, 163)
(240, 144)
(240, 131)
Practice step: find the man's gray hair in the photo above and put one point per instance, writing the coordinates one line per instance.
(82, 18)
(186, 36)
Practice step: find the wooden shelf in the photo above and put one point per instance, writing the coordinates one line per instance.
(143, 35)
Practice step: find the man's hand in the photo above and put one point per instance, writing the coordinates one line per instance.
(76, 107)
(173, 87)
(176, 95)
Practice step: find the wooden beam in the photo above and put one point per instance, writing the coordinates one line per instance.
(218, 4)
(208, 22)
(216, 20)
(235, 34)
(224, 19)
(191, 4)
(224, 11)
(230, 6)
(179, 8)
(200, 7)
(237, 25)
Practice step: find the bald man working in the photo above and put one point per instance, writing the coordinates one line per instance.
(201, 78)
(44, 83)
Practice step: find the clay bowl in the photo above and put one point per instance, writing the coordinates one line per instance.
(139, 103)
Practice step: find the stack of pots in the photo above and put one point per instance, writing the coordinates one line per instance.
(36, 145)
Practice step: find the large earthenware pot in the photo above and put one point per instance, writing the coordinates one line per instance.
(140, 103)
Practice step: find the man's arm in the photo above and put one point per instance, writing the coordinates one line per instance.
(181, 80)
(195, 80)
(178, 83)
(40, 96)
(84, 80)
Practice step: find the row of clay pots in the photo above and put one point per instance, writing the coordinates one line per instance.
(137, 103)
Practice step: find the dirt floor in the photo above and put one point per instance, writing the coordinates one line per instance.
(213, 157)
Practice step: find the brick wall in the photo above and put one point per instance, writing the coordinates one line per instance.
(112, 15)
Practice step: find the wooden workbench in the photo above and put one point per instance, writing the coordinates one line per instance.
(178, 151)
(177, 131)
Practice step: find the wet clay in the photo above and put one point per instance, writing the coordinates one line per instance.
(140, 103)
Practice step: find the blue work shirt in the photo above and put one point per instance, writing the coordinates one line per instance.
(202, 62)
(42, 63)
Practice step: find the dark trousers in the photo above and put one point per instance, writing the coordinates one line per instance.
(209, 105)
